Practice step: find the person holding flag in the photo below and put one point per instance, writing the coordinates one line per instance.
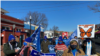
(26, 48)
(44, 45)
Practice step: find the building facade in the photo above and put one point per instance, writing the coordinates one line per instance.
(10, 25)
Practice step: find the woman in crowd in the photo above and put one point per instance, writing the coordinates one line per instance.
(26, 48)
(73, 49)
(60, 47)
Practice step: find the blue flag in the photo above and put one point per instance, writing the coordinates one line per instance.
(73, 34)
(36, 38)
(71, 37)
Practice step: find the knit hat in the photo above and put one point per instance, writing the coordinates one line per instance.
(74, 40)
(11, 37)
(60, 38)
(28, 40)
(45, 37)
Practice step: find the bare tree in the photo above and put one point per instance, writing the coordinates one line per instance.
(95, 8)
(55, 29)
(37, 19)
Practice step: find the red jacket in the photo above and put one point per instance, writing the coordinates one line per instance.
(61, 47)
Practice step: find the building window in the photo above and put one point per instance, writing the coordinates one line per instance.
(18, 29)
(26, 30)
(6, 28)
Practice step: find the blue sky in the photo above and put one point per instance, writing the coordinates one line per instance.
(64, 14)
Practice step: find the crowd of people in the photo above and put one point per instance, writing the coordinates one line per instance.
(75, 47)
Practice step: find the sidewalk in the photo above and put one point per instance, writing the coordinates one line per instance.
(2, 54)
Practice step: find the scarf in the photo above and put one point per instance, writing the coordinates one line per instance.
(22, 51)
(74, 52)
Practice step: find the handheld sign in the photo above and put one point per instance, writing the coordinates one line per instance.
(64, 34)
(86, 31)
(51, 48)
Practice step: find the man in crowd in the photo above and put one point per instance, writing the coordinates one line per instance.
(44, 45)
(84, 44)
(11, 47)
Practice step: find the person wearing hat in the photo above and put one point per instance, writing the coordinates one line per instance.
(60, 45)
(26, 48)
(73, 49)
(44, 45)
(11, 47)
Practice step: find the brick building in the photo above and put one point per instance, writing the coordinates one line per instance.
(10, 25)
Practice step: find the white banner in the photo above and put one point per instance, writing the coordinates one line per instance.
(86, 31)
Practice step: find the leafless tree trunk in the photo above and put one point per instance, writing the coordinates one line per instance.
(55, 29)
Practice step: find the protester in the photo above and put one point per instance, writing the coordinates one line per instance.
(65, 40)
(11, 47)
(60, 45)
(93, 50)
(73, 49)
(26, 48)
(17, 39)
(79, 41)
(53, 41)
(44, 45)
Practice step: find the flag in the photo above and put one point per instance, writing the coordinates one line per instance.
(71, 37)
(36, 38)
(73, 34)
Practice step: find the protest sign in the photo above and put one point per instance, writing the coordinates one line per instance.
(64, 34)
(86, 31)
(36, 53)
(51, 48)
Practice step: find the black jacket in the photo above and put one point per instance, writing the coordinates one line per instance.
(93, 51)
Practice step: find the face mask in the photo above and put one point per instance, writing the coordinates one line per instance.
(60, 42)
(73, 46)
(24, 43)
(12, 42)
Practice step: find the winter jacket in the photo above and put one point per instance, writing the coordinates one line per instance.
(44, 46)
(7, 49)
(93, 51)
(68, 52)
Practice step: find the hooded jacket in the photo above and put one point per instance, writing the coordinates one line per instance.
(9, 50)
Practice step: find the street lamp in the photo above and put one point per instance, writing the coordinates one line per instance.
(13, 28)
(30, 25)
